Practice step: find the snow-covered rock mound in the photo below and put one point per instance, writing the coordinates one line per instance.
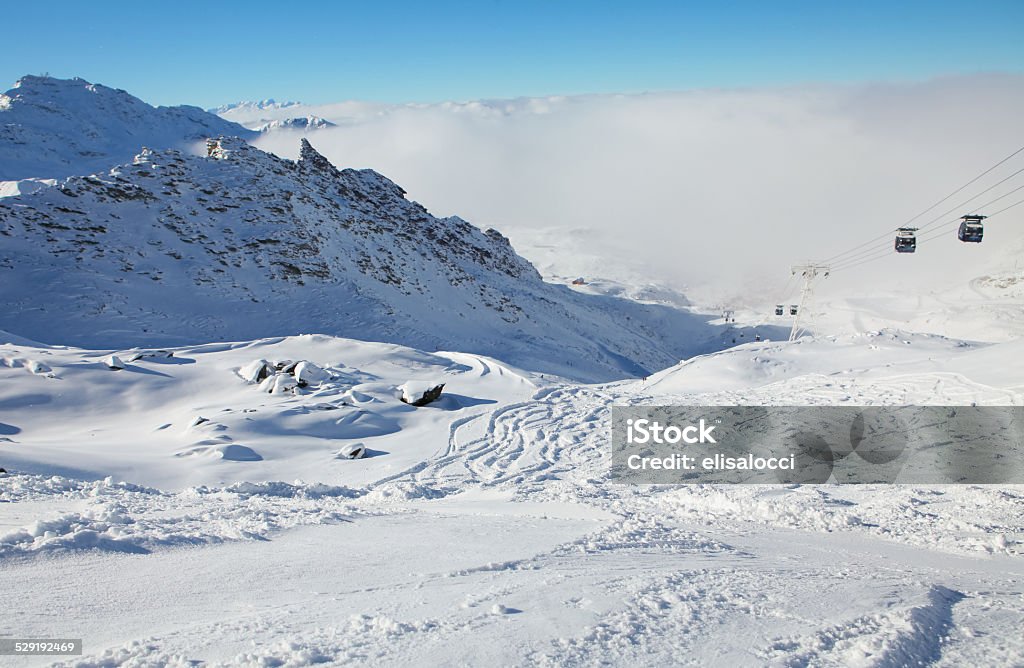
(173, 248)
(24, 186)
(53, 128)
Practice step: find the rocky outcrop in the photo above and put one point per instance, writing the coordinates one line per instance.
(420, 394)
(351, 451)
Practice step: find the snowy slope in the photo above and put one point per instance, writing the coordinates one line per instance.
(189, 502)
(195, 415)
(484, 530)
(53, 128)
(175, 248)
(987, 307)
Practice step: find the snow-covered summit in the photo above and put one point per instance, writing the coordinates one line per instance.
(53, 128)
(176, 248)
(301, 123)
(250, 106)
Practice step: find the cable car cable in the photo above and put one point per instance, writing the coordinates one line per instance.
(1006, 208)
(961, 188)
(864, 255)
(874, 248)
(931, 236)
(965, 202)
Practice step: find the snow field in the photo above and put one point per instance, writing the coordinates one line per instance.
(488, 516)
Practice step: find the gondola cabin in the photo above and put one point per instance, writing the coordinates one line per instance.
(906, 240)
(792, 309)
(779, 309)
(971, 229)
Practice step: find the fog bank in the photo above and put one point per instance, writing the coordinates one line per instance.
(727, 187)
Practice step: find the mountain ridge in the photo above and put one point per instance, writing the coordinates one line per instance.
(176, 248)
(55, 128)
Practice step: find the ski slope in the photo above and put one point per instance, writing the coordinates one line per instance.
(482, 529)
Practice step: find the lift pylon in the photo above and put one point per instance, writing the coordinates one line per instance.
(809, 272)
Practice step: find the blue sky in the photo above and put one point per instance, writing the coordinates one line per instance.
(208, 53)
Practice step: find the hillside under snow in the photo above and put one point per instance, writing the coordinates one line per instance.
(173, 248)
(52, 128)
(481, 529)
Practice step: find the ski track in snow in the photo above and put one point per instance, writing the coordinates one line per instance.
(501, 542)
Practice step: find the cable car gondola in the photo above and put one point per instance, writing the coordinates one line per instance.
(906, 240)
(779, 309)
(971, 229)
(792, 309)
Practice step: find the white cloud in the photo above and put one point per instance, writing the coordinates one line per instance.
(706, 186)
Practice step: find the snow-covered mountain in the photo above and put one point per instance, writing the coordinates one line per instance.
(53, 128)
(174, 248)
(302, 123)
(269, 115)
(249, 106)
(483, 527)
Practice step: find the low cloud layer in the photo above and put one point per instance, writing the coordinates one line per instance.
(722, 187)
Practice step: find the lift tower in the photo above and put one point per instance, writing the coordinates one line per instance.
(808, 272)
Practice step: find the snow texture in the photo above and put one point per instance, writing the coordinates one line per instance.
(495, 502)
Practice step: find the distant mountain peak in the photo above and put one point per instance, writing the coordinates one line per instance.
(251, 105)
(299, 123)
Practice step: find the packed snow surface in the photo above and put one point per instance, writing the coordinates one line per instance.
(193, 507)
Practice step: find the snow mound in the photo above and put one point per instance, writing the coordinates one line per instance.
(252, 411)
(232, 452)
(120, 517)
(351, 451)
(24, 186)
